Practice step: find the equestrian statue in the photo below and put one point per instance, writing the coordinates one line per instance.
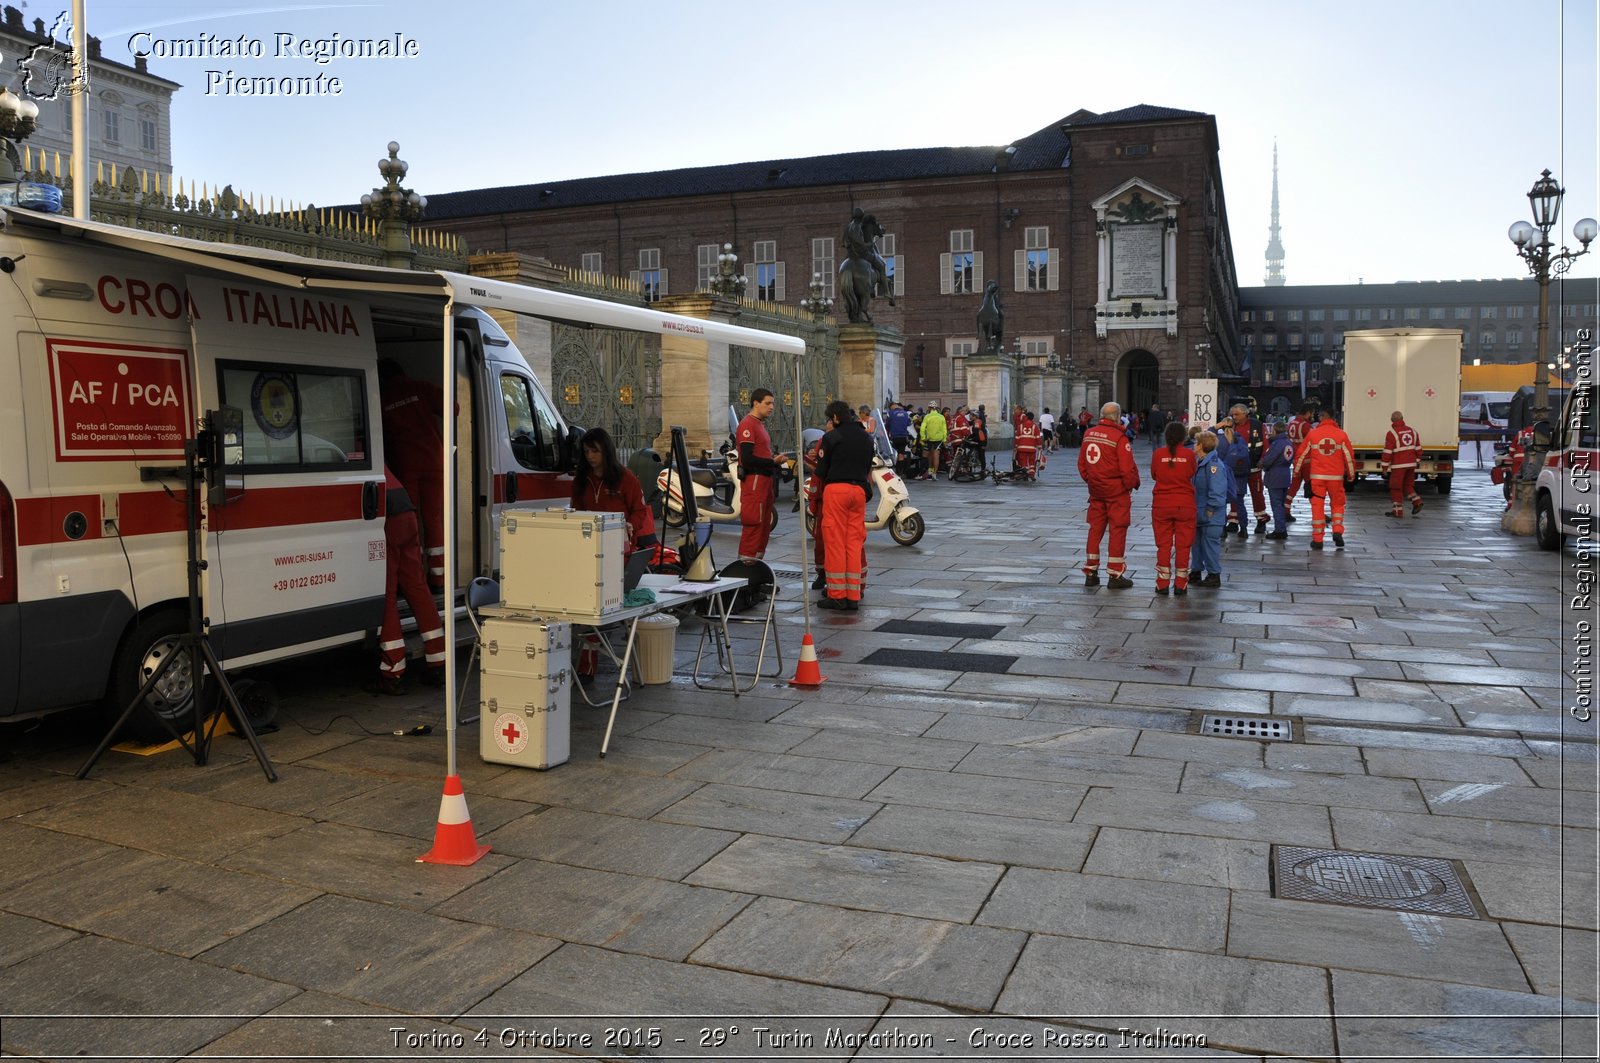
(991, 319)
(863, 273)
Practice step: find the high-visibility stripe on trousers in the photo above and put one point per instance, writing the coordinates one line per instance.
(1329, 492)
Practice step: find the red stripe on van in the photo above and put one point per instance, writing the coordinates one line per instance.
(534, 486)
(42, 520)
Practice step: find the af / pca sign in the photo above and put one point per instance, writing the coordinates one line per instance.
(118, 401)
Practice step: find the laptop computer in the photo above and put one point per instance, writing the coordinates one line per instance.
(638, 565)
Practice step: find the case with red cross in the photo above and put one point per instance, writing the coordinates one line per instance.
(525, 693)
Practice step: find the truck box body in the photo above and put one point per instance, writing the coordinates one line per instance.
(1415, 371)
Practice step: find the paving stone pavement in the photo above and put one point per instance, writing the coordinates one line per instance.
(1009, 842)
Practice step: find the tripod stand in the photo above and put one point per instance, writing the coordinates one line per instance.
(193, 647)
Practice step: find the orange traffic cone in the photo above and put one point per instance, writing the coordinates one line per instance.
(807, 673)
(453, 840)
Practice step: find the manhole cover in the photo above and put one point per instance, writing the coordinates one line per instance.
(1370, 880)
(1260, 728)
(786, 573)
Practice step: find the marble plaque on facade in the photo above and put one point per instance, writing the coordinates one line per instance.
(1136, 266)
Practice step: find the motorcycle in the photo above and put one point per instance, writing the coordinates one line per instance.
(893, 509)
(715, 479)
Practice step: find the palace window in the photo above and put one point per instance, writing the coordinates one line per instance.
(960, 268)
(650, 277)
(767, 272)
(1037, 266)
(822, 264)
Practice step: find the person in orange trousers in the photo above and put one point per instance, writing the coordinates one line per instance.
(1172, 513)
(844, 467)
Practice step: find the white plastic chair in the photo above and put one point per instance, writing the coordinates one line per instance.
(481, 591)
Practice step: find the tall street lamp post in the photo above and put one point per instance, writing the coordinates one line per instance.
(1533, 245)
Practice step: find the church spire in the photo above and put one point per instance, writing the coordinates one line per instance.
(1274, 245)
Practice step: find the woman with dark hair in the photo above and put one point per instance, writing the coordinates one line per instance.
(603, 484)
(1172, 512)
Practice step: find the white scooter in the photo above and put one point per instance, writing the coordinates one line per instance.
(893, 509)
(715, 479)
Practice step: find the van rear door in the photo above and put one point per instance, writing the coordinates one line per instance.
(296, 548)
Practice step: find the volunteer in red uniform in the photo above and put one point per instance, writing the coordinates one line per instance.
(758, 473)
(1402, 449)
(602, 484)
(1326, 461)
(1028, 445)
(1515, 454)
(1298, 428)
(403, 575)
(1105, 461)
(414, 448)
(1172, 470)
(844, 465)
(960, 429)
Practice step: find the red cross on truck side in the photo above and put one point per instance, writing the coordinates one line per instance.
(1372, 393)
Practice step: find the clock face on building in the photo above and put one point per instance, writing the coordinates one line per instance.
(275, 405)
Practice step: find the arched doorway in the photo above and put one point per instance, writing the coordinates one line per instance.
(1136, 381)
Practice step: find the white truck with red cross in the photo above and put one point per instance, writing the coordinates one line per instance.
(117, 342)
(1416, 371)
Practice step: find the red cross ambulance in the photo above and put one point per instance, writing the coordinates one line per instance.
(117, 342)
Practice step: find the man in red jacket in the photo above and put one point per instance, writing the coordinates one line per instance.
(414, 448)
(1105, 461)
(1402, 448)
(1327, 461)
(403, 575)
(758, 471)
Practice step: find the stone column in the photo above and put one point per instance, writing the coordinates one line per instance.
(694, 375)
(532, 335)
(869, 364)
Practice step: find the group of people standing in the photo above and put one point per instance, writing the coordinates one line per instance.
(1200, 477)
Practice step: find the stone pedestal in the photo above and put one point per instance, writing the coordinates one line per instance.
(992, 383)
(869, 364)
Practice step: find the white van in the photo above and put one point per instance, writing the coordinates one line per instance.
(118, 341)
(1485, 414)
(1565, 495)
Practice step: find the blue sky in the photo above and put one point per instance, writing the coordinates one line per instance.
(1407, 139)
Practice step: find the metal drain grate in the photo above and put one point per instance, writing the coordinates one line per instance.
(1370, 880)
(1261, 728)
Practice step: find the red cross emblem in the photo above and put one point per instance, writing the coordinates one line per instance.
(511, 733)
(1327, 446)
(1372, 393)
(1429, 393)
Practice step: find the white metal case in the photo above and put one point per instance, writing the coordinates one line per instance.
(530, 648)
(525, 693)
(562, 561)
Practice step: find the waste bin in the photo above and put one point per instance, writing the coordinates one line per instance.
(657, 641)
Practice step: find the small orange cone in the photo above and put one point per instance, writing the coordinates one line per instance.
(453, 840)
(807, 673)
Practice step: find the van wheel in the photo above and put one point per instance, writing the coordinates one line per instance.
(1545, 529)
(1442, 482)
(152, 641)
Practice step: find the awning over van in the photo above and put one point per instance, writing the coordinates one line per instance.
(295, 271)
